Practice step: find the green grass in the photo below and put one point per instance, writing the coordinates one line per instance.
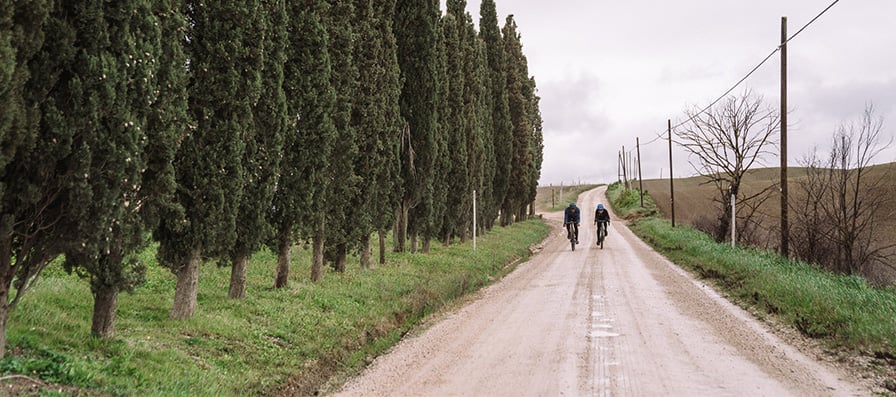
(545, 202)
(627, 203)
(844, 311)
(299, 336)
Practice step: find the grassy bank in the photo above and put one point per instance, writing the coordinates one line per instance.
(274, 342)
(843, 311)
(548, 198)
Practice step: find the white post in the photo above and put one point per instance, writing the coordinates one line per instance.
(474, 220)
(733, 220)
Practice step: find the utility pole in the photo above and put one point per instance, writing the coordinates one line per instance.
(671, 175)
(619, 168)
(640, 182)
(624, 170)
(785, 238)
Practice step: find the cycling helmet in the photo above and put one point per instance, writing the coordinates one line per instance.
(600, 206)
(572, 204)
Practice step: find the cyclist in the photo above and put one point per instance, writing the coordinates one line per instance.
(601, 215)
(572, 215)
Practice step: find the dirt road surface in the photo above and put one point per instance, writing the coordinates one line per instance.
(621, 321)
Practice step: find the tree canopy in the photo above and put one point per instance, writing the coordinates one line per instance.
(216, 130)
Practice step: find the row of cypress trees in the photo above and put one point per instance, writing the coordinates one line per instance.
(219, 128)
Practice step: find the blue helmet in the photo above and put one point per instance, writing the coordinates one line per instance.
(600, 206)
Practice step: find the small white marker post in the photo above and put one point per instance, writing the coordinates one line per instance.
(474, 220)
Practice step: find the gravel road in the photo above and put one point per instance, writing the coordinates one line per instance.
(622, 321)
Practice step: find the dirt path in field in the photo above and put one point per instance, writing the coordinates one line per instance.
(621, 321)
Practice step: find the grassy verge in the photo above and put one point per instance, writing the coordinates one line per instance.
(287, 341)
(844, 311)
(548, 198)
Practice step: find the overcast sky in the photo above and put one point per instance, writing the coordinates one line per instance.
(611, 71)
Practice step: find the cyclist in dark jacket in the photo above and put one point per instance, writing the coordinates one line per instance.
(572, 215)
(601, 215)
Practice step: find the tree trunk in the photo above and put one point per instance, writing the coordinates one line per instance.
(521, 216)
(238, 276)
(6, 272)
(187, 287)
(426, 243)
(317, 250)
(339, 261)
(382, 234)
(413, 243)
(365, 252)
(506, 218)
(105, 303)
(724, 222)
(401, 228)
(283, 260)
(4, 313)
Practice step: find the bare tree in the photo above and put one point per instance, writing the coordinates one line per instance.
(846, 207)
(756, 227)
(808, 230)
(725, 142)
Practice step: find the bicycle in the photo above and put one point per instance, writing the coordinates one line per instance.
(601, 233)
(571, 234)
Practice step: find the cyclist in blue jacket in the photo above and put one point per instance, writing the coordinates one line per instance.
(572, 215)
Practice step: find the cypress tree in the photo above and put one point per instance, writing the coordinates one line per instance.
(264, 142)
(441, 164)
(521, 164)
(13, 73)
(115, 70)
(474, 122)
(537, 144)
(376, 117)
(365, 120)
(502, 136)
(416, 35)
(224, 64)
(28, 71)
(299, 202)
(393, 132)
(486, 208)
(169, 119)
(342, 235)
(458, 175)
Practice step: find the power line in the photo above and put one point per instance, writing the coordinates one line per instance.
(660, 136)
(810, 22)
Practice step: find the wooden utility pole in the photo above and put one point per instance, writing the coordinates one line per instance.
(619, 168)
(785, 238)
(640, 182)
(671, 175)
(624, 168)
